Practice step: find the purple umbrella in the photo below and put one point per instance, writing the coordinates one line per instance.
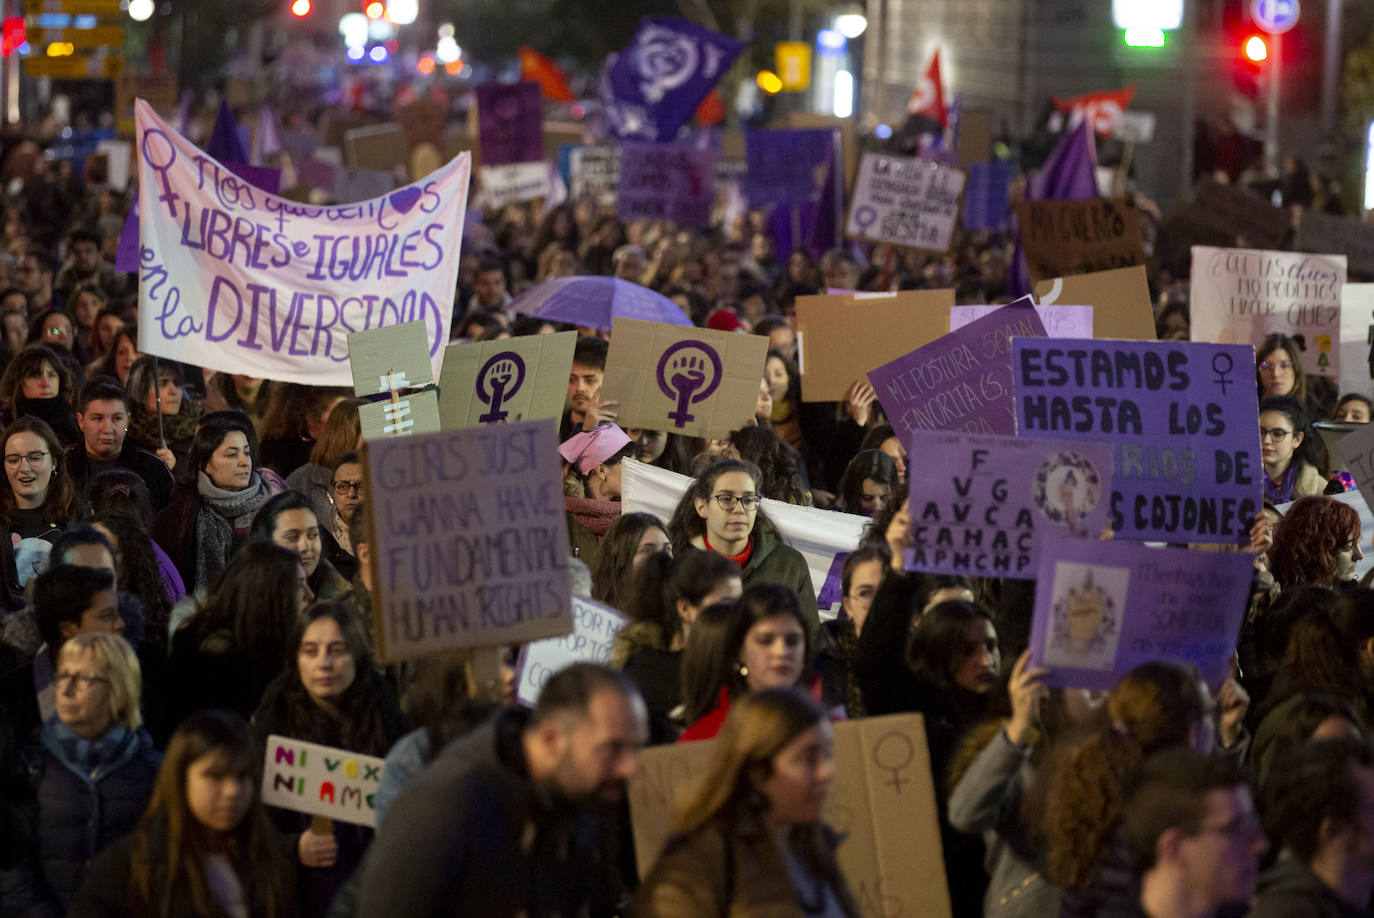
(595, 302)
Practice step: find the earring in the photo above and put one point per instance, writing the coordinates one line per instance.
(742, 670)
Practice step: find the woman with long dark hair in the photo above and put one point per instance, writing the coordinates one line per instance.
(163, 411)
(330, 694)
(38, 383)
(204, 847)
(288, 520)
(750, 838)
(630, 540)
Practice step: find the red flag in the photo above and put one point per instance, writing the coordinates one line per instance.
(928, 99)
(1101, 109)
(553, 82)
(711, 110)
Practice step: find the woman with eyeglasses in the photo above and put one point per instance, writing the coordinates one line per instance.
(720, 513)
(346, 490)
(40, 499)
(1290, 464)
(40, 384)
(288, 520)
(91, 774)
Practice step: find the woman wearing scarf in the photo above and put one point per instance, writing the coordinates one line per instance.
(164, 389)
(210, 517)
(593, 485)
(1288, 471)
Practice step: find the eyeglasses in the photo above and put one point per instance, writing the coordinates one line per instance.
(1273, 365)
(1277, 434)
(342, 488)
(727, 502)
(83, 681)
(12, 461)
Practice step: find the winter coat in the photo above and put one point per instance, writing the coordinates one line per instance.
(773, 561)
(474, 836)
(142, 463)
(1290, 889)
(737, 870)
(640, 652)
(78, 812)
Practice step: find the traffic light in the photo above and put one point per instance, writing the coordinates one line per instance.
(1255, 49)
(300, 8)
(15, 35)
(374, 9)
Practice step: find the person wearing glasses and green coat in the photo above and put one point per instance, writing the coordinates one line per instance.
(720, 512)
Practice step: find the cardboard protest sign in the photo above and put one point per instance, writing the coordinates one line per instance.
(469, 546)
(985, 506)
(379, 146)
(1059, 321)
(840, 337)
(882, 804)
(660, 181)
(510, 123)
(395, 357)
(320, 780)
(905, 201)
(1357, 319)
(412, 413)
(1120, 299)
(1319, 232)
(1243, 295)
(1103, 608)
(787, 167)
(1079, 237)
(594, 627)
(961, 381)
(1242, 216)
(595, 172)
(820, 535)
(241, 281)
(696, 382)
(516, 182)
(518, 379)
(1182, 417)
(1356, 450)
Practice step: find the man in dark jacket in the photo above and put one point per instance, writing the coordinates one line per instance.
(1319, 805)
(102, 412)
(506, 821)
(1192, 835)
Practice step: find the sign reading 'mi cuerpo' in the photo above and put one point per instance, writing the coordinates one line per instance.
(1182, 417)
(242, 281)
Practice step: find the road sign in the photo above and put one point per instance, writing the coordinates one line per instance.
(74, 68)
(82, 7)
(97, 37)
(1275, 16)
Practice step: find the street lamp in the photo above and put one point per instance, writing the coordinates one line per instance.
(851, 25)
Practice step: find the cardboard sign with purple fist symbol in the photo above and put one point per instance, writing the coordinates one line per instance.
(691, 381)
(493, 382)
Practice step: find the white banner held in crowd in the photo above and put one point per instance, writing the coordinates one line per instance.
(905, 201)
(594, 627)
(241, 281)
(515, 182)
(819, 535)
(1241, 295)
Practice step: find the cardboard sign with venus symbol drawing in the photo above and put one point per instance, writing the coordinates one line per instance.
(519, 379)
(691, 381)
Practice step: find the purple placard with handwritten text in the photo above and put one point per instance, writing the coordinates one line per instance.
(1104, 608)
(663, 181)
(1181, 415)
(510, 123)
(961, 381)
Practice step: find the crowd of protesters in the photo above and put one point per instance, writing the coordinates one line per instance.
(187, 573)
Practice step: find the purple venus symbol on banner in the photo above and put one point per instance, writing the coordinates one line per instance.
(683, 375)
(499, 379)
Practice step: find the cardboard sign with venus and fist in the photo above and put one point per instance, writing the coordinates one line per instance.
(691, 381)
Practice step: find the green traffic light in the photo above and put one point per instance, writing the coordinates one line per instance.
(1142, 37)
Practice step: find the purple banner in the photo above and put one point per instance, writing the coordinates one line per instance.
(650, 89)
(787, 167)
(985, 196)
(1104, 608)
(666, 182)
(510, 123)
(959, 382)
(985, 506)
(1181, 415)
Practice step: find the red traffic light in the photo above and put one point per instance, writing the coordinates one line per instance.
(1256, 49)
(300, 8)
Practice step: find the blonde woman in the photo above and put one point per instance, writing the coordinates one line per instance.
(750, 840)
(92, 773)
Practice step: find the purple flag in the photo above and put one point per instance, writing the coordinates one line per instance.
(654, 86)
(1070, 172)
(985, 198)
(226, 144)
(787, 167)
(510, 123)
